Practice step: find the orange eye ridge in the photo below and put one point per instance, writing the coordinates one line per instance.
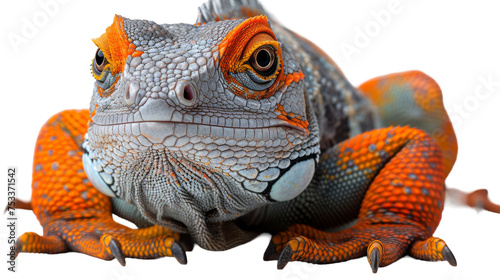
(115, 46)
(251, 48)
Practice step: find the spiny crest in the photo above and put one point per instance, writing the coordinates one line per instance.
(216, 10)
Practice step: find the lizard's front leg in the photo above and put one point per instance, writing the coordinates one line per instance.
(74, 215)
(403, 170)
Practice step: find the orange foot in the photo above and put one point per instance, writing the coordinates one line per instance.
(382, 243)
(400, 209)
(104, 238)
(73, 214)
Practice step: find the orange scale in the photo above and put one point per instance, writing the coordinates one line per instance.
(387, 184)
(409, 206)
(360, 165)
(391, 188)
(403, 198)
(421, 177)
(379, 145)
(385, 205)
(406, 161)
(419, 184)
(384, 192)
(393, 177)
(82, 187)
(394, 210)
(405, 211)
(398, 205)
(345, 159)
(73, 193)
(401, 166)
(74, 180)
(363, 157)
(392, 198)
(403, 176)
(408, 183)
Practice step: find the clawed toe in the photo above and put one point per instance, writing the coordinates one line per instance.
(271, 254)
(381, 244)
(285, 257)
(374, 255)
(179, 253)
(448, 256)
(113, 246)
(432, 249)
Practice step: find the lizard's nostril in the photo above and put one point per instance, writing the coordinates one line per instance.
(186, 93)
(131, 92)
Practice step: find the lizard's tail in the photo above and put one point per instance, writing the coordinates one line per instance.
(19, 204)
(477, 199)
(413, 98)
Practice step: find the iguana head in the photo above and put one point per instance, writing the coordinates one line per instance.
(198, 123)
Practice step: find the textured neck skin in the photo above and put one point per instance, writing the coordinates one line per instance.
(183, 128)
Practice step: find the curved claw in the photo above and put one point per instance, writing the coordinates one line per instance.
(115, 248)
(374, 259)
(270, 254)
(179, 253)
(432, 249)
(374, 255)
(448, 256)
(285, 257)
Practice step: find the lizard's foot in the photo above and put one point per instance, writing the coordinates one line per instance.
(75, 216)
(382, 243)
(104, 238)
(399, 212)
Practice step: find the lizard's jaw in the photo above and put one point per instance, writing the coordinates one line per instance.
(188, 180)
(256, 158)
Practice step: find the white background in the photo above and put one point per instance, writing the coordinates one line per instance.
(456, 42)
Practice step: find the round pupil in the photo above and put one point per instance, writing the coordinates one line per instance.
(99, 57)
(263, 58)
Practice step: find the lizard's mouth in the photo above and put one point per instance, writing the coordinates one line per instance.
(209, 126)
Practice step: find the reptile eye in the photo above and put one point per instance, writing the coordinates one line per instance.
(99, 61)
(263, 60)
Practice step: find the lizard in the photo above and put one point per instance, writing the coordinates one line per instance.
(216, 132)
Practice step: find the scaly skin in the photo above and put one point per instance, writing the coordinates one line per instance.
(236, 126)
(401, 208)
(74, 215)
